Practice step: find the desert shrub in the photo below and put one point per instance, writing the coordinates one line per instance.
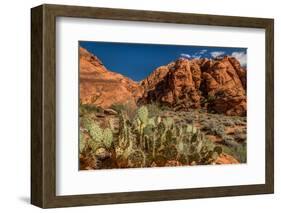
(118, 107)
(164, 107)
(210, 98)
(190, 117)
(153, 109)
(228, 122)
(218, 130)
(212, 127)
(239, 152)
(189, 120)
(84, 122)
(127, 108)
(229, 141)
(240, 135)
(244, 119)
(85, 109)
(239, 121)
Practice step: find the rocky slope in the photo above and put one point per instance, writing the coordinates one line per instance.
(102, 87)
(218, 85)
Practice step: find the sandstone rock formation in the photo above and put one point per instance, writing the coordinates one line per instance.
(217, 84)
(177, 86)
(224, 85)
(102, 87)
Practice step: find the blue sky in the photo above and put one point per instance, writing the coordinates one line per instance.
(137, 61)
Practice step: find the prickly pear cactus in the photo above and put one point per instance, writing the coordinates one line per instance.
(161, 128)
(168, 122)
(191, 129)
(148, 130)
(107, 137)
(151, 121)
(111, 124)
(169, 152)
(142, 114)
(160, 160)
(82, 142)
(158, 119)
(180, 147)
(136, 159)
(96, 132)
(125, 137)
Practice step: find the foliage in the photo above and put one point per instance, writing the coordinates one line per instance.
(127, 108)
(213, 127)
(239, 152)
(152, 137)
(88, 108)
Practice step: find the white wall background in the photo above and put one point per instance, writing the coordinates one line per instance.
(15, 104)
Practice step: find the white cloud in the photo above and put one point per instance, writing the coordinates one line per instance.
(196, 56)
(241, 57)
(201, 52)
(184, 55)
(217, 53)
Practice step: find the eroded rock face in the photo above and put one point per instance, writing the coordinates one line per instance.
(178, 87)
(224, 88)
(217, 84)
(102, 87)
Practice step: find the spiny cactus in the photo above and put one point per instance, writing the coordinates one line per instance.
(82, 142)
(168, 122)
(151, 121)
(107, 137)
(170, 152)
(148, 130)
(180, 147)
(96, 132)
(123, 138)
(111, 124)
(147, 140)
(137, 159)
(191, 129)
(160, 160)
(99, 137)
(141, 121)
(142, 114)
(158, 119)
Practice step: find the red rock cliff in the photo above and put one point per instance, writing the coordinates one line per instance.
(102, 87)
(217, 84)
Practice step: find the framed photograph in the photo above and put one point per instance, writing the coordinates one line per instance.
(136, 106)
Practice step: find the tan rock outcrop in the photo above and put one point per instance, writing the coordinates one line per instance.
(224, 89)
(191, 83)
(178, 87)
(102, 87)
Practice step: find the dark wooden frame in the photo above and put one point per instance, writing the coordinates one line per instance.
(43, 105)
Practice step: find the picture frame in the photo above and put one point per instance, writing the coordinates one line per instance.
(43, 105)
